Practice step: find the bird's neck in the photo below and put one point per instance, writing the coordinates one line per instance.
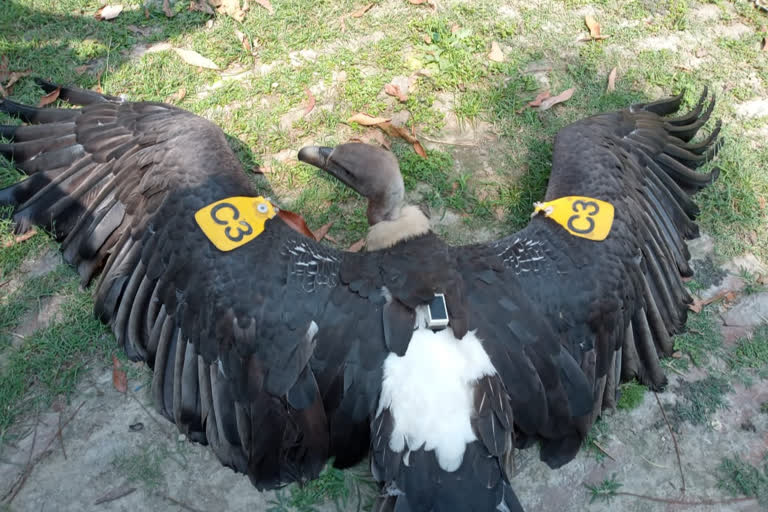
(410, 223)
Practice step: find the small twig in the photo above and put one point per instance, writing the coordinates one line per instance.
(447, 143)
(61, 438)
(8, 498)
(674, 441)
(653, 463)
(669, 366)
(28, 467)
(5, 283)
(605, 452)
(689, 503)
(115, 494)
(181, 504)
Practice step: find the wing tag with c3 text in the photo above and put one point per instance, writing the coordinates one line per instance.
(232, 222)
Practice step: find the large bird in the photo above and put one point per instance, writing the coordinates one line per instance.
(281, 352)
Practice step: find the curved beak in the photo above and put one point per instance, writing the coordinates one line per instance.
(320, 157)
(315, 155)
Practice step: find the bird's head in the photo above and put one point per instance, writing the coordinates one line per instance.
(371, 171)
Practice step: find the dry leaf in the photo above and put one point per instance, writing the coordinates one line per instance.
(108, 12)
(177, 96)
(265, 4)
(403, 133)
(455, 28)
(295, 222)
(146, 13)
(761, 201)
(310, 101)
(119, 378)
(201, 6)
(594, 28)
(20, 238)
(49, 98)
(320, 233)
(373, 136)
(244, 41)
(554, 100)
(357, 246)
(362, 10)
(422, 2)
(496, 55)
(14, 77)
(764, 45)
(195, 59)
(699, 304)
(394, 90)
(536, 101)
(366, 120)
(167, 9)
(611, 81)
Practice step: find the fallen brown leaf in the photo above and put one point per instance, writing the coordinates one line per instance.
(177, 96)
(554, 100)
(394, 90)
(402, 132)
(761, 201)
(14, 77)
(244, 41)
(611, 81)
(265, 4)
(322, 231)
(49, 98)
(362, 10)
(3, 68)
(373, 136)
(108, 12)
(594, 28)
(536, 101)
(295, 222)
(699, 304)
(146, 13)
(495, 54)
(195, 59)
(455, 28)
(422, 2)
(367, 120)
(119, 378)
(357, 246)
(310, 101)
(201, 6)
(167, 9)
(20, 238)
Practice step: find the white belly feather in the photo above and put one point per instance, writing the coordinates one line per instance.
(429, 392)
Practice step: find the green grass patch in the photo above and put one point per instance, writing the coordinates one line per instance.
(751, 352)
(343, 489)
(51, 360)
(700, 399)
(604, 491)
(738, 478)
(700, 341)
(142, 467)
(632, 395)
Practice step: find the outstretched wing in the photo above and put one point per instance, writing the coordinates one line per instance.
(613, 304)
(231, 336)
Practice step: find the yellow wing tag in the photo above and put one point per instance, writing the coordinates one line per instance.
(234, 221)
(580, 216)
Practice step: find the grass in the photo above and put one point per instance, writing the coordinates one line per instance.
(752, 352)
(333, 486)
(738, 478)
(143, 467)
(632, 395)
(699, 400)
(700, 341)
(487, 188)
(51, 360)
(604, 491)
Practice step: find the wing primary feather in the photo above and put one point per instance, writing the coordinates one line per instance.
(661, 107)
(75, 95)
(694, 113)
(705, 145)
(651, 373)
(630, 361)
(135, 335)
(124, 310)
(688, 131)
(661, 335)
(685, 176)
(35, 115)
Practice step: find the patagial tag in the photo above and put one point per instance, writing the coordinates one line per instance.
(580, 216)
(234, 221)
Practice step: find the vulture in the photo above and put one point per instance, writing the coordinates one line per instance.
(436, 361)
